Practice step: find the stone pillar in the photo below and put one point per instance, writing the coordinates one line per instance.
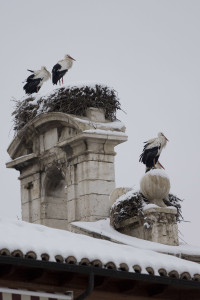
(158, 224)
(68, 172)
(90, 175)
(153, 222)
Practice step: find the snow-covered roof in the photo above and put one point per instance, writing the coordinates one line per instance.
(39, 242)
(104, 229)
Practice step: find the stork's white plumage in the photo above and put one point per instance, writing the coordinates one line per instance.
(152, 150)
(36, 80)
(61, 68)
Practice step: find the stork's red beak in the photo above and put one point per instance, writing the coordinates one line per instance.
(71, 57)
(166, 139)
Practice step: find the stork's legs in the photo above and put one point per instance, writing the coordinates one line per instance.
(161, 165)
(59, 81)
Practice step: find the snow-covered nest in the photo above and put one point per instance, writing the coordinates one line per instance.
(133, 203)
(68, 99)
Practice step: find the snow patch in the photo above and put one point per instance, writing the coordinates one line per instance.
(157, 172)
(107, 132)
(104, 228)
(126, 196)
(40, 239)
(148, 206)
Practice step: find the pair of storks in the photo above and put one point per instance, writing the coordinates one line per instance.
(36, 80)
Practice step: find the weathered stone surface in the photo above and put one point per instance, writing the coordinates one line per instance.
(91, 170)
(157, 225)
(116, 193)
(70, 173)
(98, 186)
(48, 139)
(88, 208)
(161, 225)
(55, 210)
(134, 215)
(66, 133)
(95, 114)
(92, 205)
(25, 212)
(31, 211)
(155, 187)
(34, 209)
(94, 157)
(72, 210)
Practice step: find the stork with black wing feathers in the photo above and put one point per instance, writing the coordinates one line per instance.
(36, 80)
(61, 68)
(152, 150)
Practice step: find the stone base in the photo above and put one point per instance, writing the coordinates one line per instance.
(158, 225)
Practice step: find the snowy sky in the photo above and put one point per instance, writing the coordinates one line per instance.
(148, 50)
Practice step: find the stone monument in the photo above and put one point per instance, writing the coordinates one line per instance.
(153, 220)
(66, 165)
(162, 225)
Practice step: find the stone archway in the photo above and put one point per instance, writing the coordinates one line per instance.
(54, 205)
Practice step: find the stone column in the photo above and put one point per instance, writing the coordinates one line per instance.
(69, 174)
(90, 174)
(153, 222)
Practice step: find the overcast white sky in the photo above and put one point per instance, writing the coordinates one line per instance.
(148, 50)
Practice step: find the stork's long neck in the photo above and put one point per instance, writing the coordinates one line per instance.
(69, 63)
(163, 142)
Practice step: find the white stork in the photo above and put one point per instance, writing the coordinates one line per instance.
(152, 150)
(36, 80)
(61, 68)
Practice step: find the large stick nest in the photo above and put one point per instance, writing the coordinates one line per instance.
(133, 206)
(71, 100)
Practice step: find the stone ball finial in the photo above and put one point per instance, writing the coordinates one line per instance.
(155, 186)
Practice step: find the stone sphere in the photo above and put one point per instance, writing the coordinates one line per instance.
(116, 193)
(155, 186)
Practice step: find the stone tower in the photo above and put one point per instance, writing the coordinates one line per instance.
(66, 166)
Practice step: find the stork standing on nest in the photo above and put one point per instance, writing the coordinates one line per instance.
(36, 80)
(61, 68)
(152, 150)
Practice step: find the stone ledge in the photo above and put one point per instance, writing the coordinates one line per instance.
(90, 135)
(96, 114)
(127, 222)
(21, 161)
(156, 224)
(166, 210)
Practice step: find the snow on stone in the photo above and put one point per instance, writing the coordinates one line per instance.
(130, 194)
(107, 132)
(40, 239)
(104, 228)
(151, 205)
(146, 225)
(117, 125)
(157, 172)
